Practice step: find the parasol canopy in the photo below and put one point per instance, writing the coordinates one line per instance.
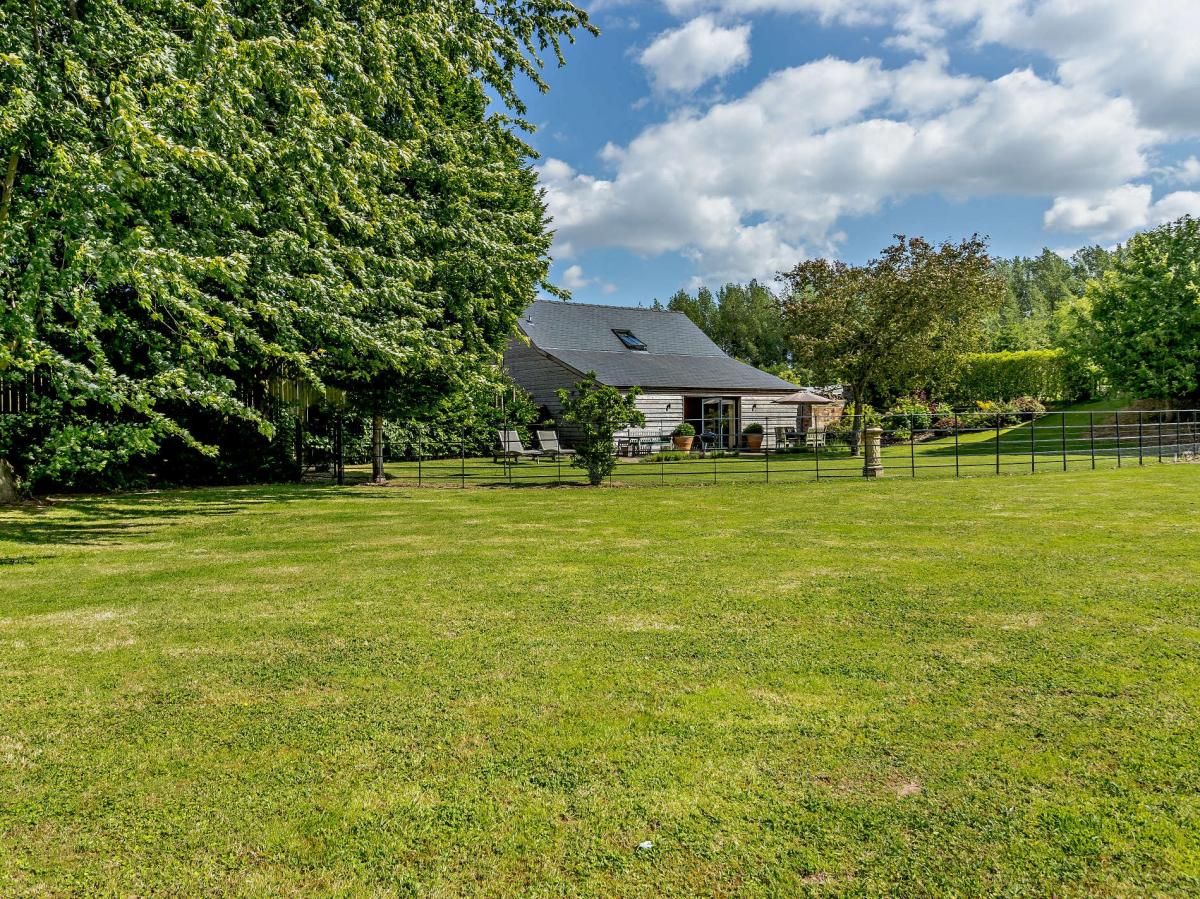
(805, 398)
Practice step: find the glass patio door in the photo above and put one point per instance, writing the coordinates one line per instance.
(719, 416)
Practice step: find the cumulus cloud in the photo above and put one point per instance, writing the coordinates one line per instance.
(1185, 172)
(750, 186)
(1118, 211)
(1146, 52)
(573, 278)
(682, 59)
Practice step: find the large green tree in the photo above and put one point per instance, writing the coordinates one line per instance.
(893, 325)
(197, 197)
(1145, 314)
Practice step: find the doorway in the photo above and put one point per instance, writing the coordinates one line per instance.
(714, 415)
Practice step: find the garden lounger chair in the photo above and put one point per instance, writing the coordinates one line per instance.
(511, 448)
(549, 445)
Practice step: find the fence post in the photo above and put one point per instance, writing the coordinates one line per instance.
(956, 472)
(1032, 442)
(1140, 449)
(912, 443)
(1118, 417)
(872, 460)
(419, 474)
(767, 452)
(508, 460)
(462, 449)
(1160, 437)
(340, 439)
(1063, 419)
(817, 450)
(1092, 437)
(997, 444)
(1178, 420)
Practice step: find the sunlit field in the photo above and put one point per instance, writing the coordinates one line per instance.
(842, 687)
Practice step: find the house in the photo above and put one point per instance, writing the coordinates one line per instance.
(683, 375)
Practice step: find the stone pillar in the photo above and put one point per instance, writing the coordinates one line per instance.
(8, 484)
(872, 459)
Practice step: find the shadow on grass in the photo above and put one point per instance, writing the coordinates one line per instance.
(91, 519)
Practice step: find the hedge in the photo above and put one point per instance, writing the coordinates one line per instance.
(1043, 374)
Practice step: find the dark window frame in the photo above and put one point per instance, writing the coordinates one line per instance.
(629, 340)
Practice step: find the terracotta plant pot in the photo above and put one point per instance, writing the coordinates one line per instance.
(754, 441)
(683, 444)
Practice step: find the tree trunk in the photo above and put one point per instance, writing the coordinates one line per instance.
(377, 473)
(8, 485)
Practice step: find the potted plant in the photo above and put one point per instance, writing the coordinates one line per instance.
(753, 433)
(682, 436)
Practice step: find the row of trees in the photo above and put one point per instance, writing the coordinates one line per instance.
(198, 199)
(924, 317)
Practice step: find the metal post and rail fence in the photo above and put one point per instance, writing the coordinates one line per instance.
(773, 449)
(959, 444)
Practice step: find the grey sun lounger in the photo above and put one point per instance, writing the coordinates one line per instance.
(548, 442)
(510, 447)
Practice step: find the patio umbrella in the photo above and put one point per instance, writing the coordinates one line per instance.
(803, 398)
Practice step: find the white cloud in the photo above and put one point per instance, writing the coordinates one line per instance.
(1118, 211)
(749, 186)
(1146, 52)
(683, 59)
(1185, 172)
(1172, 206)
(1108, 214)
(573, 278)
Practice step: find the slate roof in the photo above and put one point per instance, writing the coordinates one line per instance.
(678, 354)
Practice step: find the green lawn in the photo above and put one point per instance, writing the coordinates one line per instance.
(991, 687)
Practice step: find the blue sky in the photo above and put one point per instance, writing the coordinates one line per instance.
(699, 141)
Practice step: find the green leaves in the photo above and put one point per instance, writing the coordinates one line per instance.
(1145, 314)
(238, 192)
(598, 412)
(895, 324)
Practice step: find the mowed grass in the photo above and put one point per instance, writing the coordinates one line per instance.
(986, 686)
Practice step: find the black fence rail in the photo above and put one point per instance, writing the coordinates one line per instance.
(789, 448)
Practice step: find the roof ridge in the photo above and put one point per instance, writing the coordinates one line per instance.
(610, 306)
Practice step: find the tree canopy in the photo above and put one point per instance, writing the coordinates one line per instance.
(746, 321)
(892, 325)
(1145, 314)
(195, 198)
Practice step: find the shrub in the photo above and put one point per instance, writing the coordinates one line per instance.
(599, 411)
(683, 429)
(753, 428)
(668, 456)
(909, 414)
(1004, 415)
